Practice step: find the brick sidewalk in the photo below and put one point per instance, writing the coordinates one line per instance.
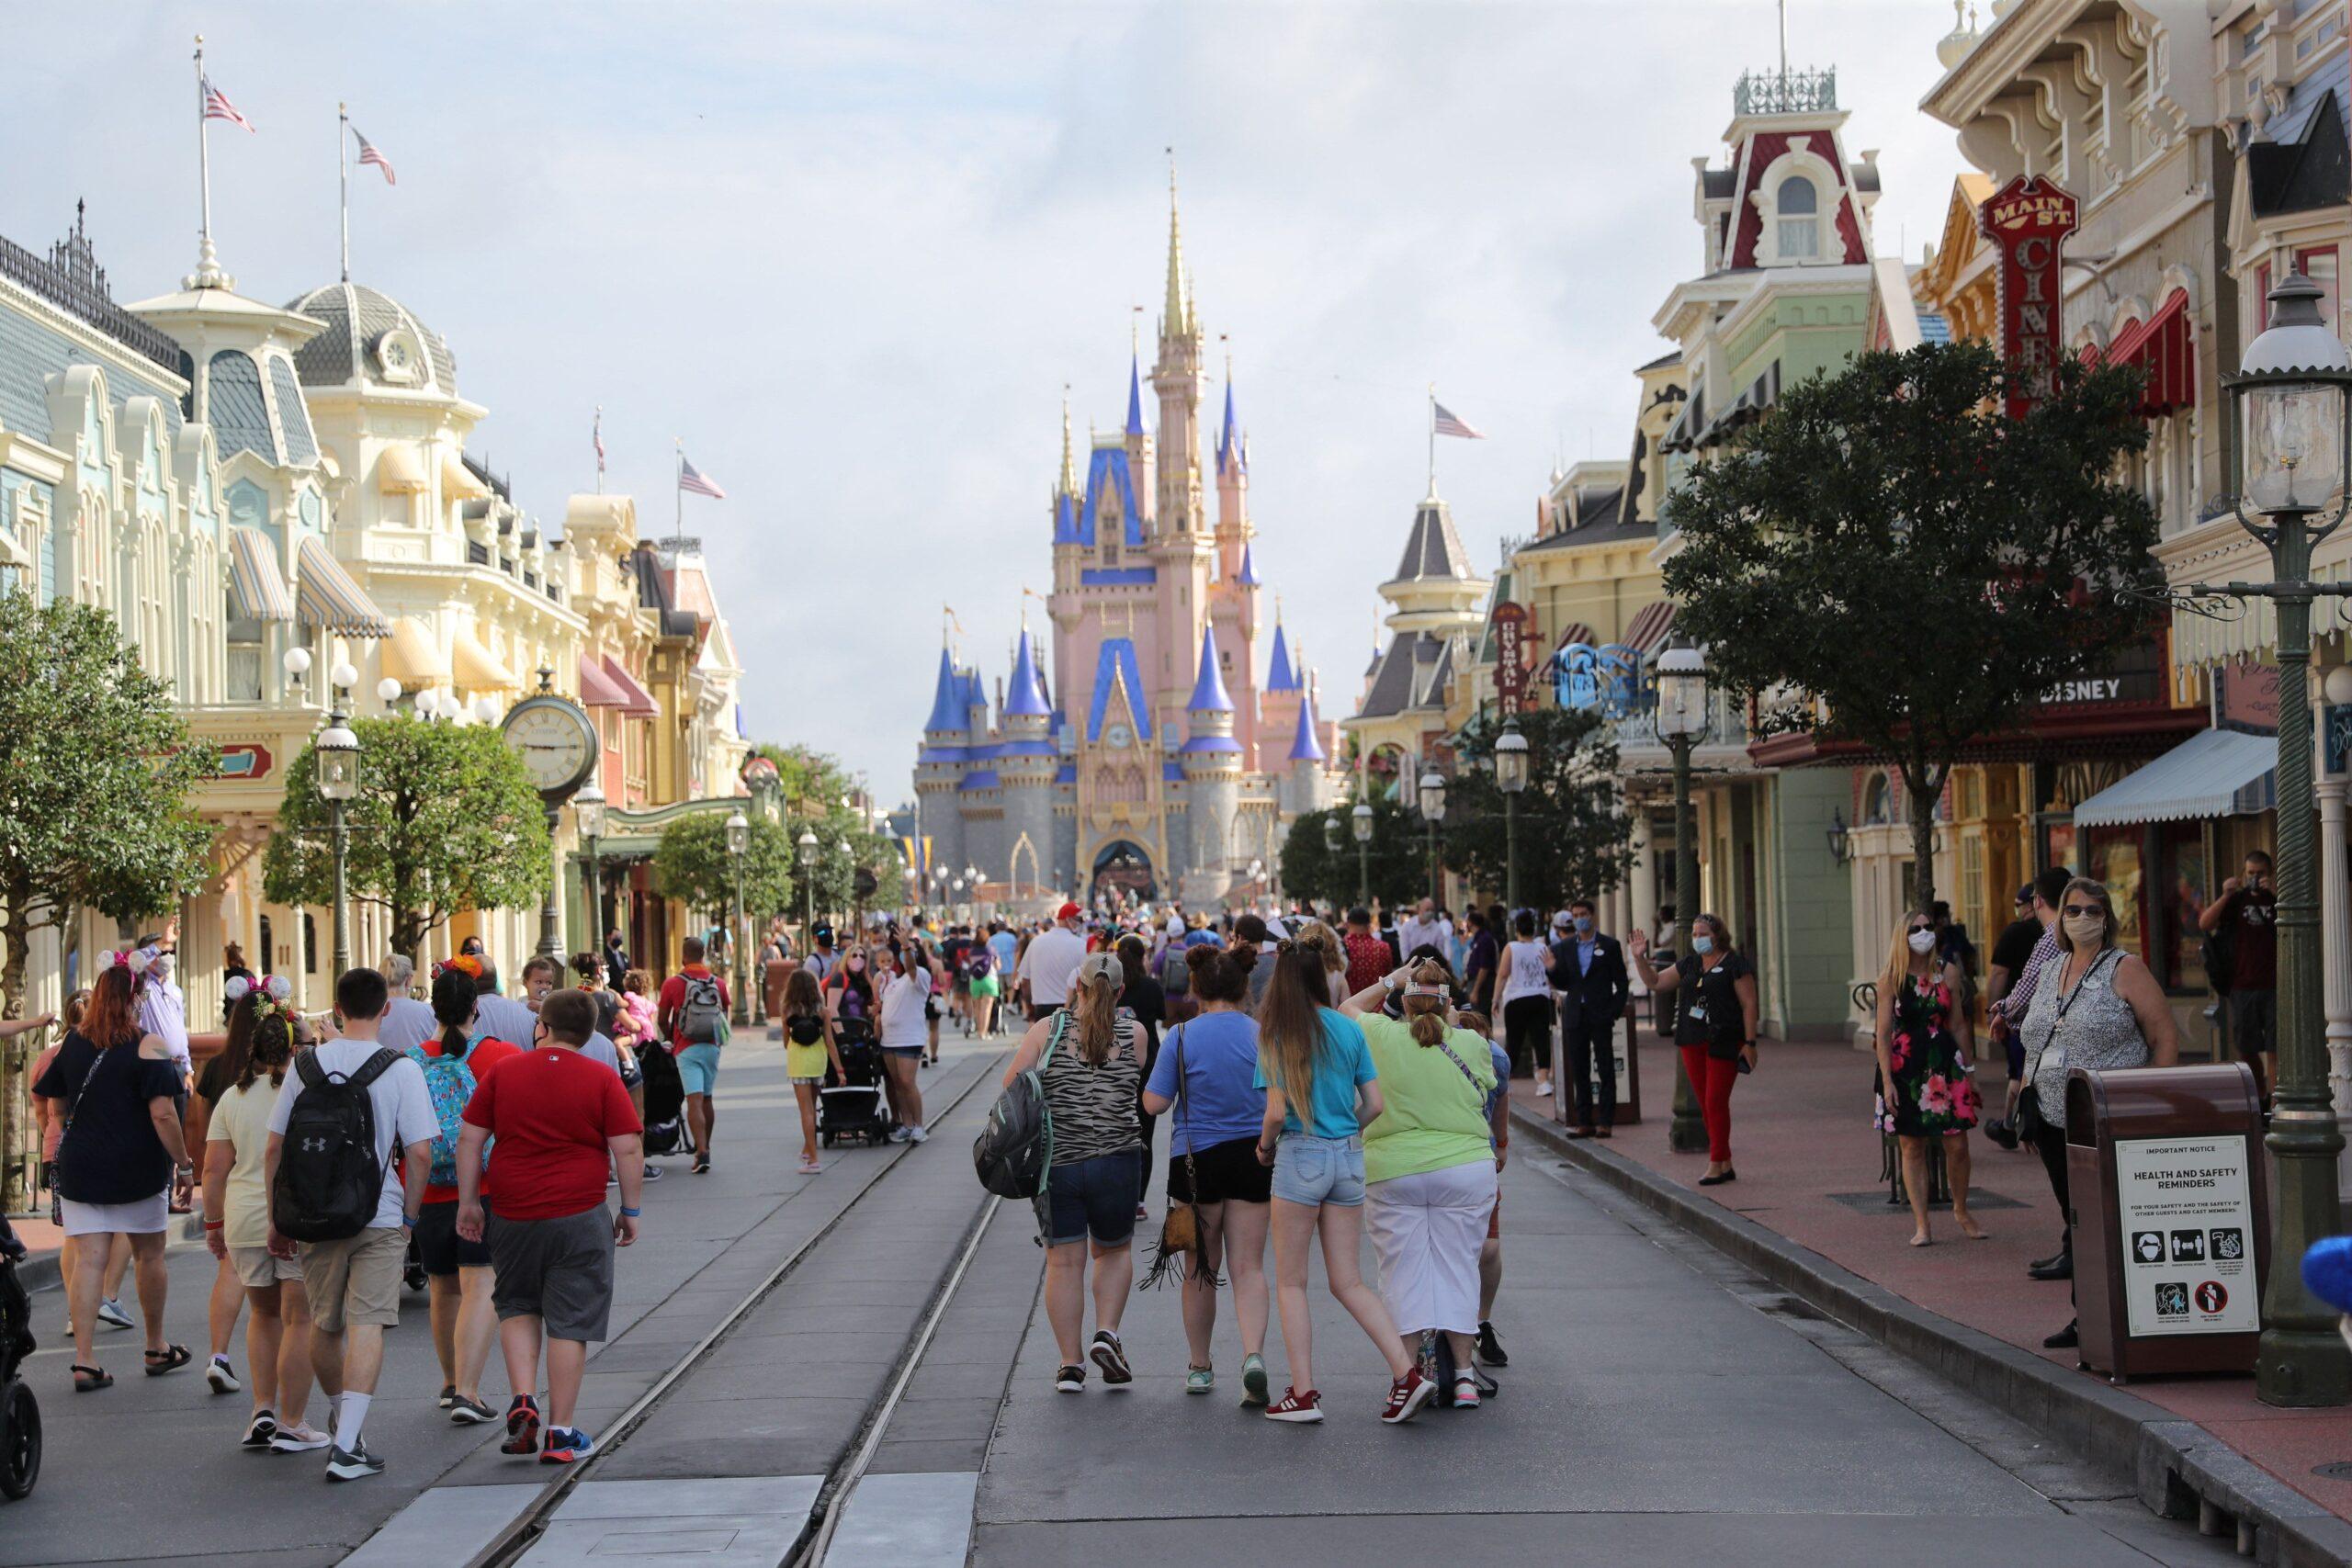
(1808, 1162)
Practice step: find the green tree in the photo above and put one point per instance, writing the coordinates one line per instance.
(96, 768)
(1396, 859)
(1890, 559)
(691, 865)
(445, 819)
(1575, 833)
(821, 795)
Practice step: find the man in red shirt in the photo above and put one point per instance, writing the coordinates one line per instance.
(560, 1121)
(1368, 957)
(692, 1011)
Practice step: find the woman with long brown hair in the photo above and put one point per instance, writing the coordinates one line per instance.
(122, 1146)
(808, 1047)
(1925, 1086)
(1714, 1026)
(1320, 1094)
(1092, 1056)
(263, 1039)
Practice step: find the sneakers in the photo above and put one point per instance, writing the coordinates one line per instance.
(917, 1136)
(899, 1135)
(1253, 1380)
(652, 1171)
(1199, 1379)
(465, 1412)
(1543, 1091)
(702, 1165)
(1465, 1391)
(299, 1439)
(809, 1168)
(1296, 1407)
(1406, 1397)
(110, 1312)
(222, 1376)
(522, 1425)
(1070, 1380)
(1112, 1359)
(1490, 1350)
(567, 1445)
(259, 1431)
(353, 1464)
(448, 1395)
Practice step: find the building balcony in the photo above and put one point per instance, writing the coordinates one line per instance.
(1785, 92)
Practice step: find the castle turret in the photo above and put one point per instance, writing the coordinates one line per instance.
(1211, 760)
(940, 765)
(1305, 785)
(1026, 763)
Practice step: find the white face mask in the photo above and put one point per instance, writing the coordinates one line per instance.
(1923, 943)
(2087, 930)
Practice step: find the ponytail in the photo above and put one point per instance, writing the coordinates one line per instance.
(455, 994)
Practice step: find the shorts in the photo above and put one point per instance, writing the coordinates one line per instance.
(560, 1271)
(1090, 1199)
(988, 986)
(2254, 1023)
(698, 1067)
(144, 1216)
(1229, 1173)
(1319, 1170)
(818, 1081)
(356, 1280)
(258, 1267)
(902, 1050)
(440, 1248)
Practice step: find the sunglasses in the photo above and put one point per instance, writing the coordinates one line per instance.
(2071, 910)
(1923, 928)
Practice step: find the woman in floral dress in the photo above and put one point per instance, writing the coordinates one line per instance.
(1925, 1088)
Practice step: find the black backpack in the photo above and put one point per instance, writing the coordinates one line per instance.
(329, 1184)
(1015, 1150)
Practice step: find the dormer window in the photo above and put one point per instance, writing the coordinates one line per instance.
(1798, 205)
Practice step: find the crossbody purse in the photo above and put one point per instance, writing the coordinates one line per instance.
(2032, 1119)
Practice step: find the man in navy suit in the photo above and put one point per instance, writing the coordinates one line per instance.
(1588, 972)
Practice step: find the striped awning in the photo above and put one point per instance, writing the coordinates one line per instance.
(2218, 773)
(1573, 633)
(256, 588)
(328, 597)
(413, 658)
(400, 471)
(458, 482)
(597, 689)
(1649, 628)
(478, 669)
(639, 703)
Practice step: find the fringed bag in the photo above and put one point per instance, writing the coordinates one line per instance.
(1181, 1232)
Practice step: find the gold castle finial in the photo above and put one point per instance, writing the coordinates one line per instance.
(1178, 310)
(1069, 463)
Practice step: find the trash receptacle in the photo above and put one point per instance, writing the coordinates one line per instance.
(2165, 1176)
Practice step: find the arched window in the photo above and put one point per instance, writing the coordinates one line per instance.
(1799, 205)
(1878, 805)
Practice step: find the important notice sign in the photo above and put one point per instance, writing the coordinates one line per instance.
(2186, 1219)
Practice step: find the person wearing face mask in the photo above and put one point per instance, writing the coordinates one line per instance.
(1714, 1028)
(1588, 972)
(2248, 911)
(1923, 1067)
(2097, 1007)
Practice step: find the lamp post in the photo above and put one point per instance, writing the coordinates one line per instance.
(1680, 719)
(336, 759)
(1360, 820)
(1431, 796)
(2288, 440)
(739, 842)
(588, 815)
(1510, 777)
(805, 847)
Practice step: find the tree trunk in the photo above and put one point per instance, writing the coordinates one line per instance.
(16, 1099)
(1924, 788)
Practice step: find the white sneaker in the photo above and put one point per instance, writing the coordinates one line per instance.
(110, 1312)
(221, 1375)
(1542, 1091)
(917, 1136)
(299, 1439)
(899, 1135)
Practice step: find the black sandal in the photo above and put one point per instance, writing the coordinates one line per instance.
(89, 1380)
(173, 1358)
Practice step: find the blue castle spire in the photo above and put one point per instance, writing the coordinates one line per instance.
(1283, 675)
(1248, 575)
(1208, 692)
(1026, 697)
(1307, 746)
(947, 709)
(1134, 392)
(1228, 440)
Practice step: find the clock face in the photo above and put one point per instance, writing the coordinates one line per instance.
(557, 743)
(1116, 736)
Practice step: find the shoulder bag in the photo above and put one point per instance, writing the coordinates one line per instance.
(1178, 1252)
(2032, 1120)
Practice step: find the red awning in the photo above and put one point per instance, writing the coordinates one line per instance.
(1647, 632)
(1575, 632)
(2162, 347)
(597, 688)
(638, 703)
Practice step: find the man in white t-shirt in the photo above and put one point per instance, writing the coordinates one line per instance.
(408, 1023)
(353, 1283)
(1420, 929)
(1047, 969)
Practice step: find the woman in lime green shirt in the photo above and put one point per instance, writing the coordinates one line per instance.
(1429, 1161)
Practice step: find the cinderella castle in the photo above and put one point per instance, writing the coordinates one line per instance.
(1143, 753)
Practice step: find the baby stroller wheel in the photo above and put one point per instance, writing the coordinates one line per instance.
(412, 1273)
(19, 1440)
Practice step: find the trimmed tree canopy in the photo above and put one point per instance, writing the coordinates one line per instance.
(691, 865)
(1397, 858)
(1575, 834)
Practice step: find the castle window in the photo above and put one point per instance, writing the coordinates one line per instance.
(1798, 205)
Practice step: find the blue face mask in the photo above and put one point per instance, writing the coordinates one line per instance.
(1702, 945)
(1584, 925)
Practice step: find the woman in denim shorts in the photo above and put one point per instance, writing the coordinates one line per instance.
(1321, 1092)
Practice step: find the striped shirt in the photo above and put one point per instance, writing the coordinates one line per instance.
(2020, 998)
(1095, 1111)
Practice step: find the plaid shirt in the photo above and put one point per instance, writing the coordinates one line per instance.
(2021, 996)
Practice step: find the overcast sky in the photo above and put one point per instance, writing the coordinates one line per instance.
(852, 254)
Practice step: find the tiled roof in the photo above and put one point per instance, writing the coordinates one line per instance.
(1410, 674)
(1433, 549)
(355, 317)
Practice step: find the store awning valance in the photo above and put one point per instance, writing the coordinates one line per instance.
(478, 669)
(400, 471)
(257, 587)
(638, 703)
(1573, 633)
(597, 689)
(412, 657)
(1649, 628)
(2163, 347)
(459, 481)
(328, 597)
(2221, 773)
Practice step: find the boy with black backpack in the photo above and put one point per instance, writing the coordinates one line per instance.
(347, 1107)
(692, 1011)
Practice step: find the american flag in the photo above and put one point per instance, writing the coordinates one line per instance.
(218, 106)
(367, 154)
(1448, 424)
(597, 435)
(694, 481)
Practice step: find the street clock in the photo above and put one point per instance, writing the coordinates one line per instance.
(556, 739)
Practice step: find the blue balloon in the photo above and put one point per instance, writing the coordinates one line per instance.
(2327, 1271)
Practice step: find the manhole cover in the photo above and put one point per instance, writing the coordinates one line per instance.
(2340, 1470)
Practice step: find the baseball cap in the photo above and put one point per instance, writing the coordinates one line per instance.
(1068, 912)
(1103, 965)
(1562, 919)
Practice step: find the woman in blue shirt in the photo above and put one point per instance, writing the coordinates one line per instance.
(1321, 1092)
(1213, 1161)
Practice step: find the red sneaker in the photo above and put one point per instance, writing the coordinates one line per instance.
(522, 1427)
(1406, 1396)
(1296, 1407)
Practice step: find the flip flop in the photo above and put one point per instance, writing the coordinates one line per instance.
(173, 1358)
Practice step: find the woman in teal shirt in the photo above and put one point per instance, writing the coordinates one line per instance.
(1429, 1162)
(1312, 1059)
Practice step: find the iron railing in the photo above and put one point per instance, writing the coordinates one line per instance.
(71, 280)
(1785, 92)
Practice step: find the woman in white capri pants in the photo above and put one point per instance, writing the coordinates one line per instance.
(1429, 1163)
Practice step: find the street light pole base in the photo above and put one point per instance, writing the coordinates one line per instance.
(2300, 1368)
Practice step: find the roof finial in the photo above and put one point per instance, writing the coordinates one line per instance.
(1069, 463)
(1177, 319)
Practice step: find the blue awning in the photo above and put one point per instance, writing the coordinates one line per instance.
(2222, 772)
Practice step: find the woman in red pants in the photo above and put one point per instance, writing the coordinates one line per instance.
(1716, 1029)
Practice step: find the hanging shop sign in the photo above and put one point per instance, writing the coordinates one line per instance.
(2027, 220)
(1511, 662)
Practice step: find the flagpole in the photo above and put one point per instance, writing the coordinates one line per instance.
(599, 448)
(203, 167)
(678, 477)
(343, 178)
(1433, 438)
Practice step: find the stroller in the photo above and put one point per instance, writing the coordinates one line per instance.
(665, 1102)
(849, 1105)
(19, 1412)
